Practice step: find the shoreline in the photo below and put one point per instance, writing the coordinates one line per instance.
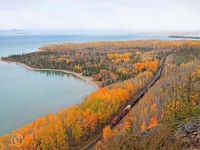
(88, 79)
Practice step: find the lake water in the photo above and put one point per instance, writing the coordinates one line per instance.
(26, 95)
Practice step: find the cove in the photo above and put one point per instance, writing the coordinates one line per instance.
(26, 95)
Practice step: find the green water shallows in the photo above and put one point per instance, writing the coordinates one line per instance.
(26, 95)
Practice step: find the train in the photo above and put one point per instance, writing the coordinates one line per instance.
(140, 95)
(117, 119)
(120, 115)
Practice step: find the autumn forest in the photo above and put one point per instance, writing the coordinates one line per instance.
(121, 69)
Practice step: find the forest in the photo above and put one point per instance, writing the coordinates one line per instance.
(154, 122)
(123, 68)
(106, 62)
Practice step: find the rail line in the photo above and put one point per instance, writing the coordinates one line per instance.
(156, 78)
(138, 96)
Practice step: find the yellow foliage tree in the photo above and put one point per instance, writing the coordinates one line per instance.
(107, 133)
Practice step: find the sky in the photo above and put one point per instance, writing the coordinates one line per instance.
(134, 15)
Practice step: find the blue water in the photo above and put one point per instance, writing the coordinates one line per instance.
(26, 95)
(28, 43)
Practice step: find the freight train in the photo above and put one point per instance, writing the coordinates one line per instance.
(121, 114)
(117, 119)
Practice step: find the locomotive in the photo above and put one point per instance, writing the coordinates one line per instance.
(120, 115)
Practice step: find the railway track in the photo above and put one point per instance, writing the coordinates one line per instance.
(138, 96)
(156, 78)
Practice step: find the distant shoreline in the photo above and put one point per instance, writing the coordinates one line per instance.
(88, 79)
(184, 37)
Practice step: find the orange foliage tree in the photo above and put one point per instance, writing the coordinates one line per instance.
(107, 133)
(153, 122)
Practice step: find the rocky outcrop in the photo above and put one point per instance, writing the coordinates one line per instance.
(189, 135)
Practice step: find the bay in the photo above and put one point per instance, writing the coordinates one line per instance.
(26, 95)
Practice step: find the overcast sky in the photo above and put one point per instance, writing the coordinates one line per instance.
(135, 15)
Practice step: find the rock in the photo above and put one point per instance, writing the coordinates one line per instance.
(190, 134)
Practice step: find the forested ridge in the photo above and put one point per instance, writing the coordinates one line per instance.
(123, 68)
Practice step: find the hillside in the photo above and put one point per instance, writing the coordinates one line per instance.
(168, 117)
(122, 69)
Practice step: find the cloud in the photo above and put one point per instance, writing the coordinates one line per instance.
(136, 15)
